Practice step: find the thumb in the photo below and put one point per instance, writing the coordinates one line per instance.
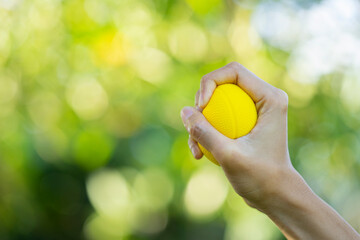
(202, 131)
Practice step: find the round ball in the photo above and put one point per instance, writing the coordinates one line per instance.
(231, 111)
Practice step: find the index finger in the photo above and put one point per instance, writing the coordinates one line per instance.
(233, 73)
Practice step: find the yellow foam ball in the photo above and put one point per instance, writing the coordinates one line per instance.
(231, 111)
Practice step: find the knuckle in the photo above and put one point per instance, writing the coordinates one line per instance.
(204, 79)
(279, 99)
(235, 65)
(197, 130)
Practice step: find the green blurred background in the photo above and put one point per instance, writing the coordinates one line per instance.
(91, 141)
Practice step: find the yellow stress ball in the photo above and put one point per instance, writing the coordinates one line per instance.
(231, 111)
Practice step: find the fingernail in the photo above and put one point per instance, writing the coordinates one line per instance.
(186, 112)
(192, 150)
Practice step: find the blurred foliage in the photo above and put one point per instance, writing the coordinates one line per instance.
(91, 143)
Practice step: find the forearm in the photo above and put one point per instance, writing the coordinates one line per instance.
(258, 164)
(301, 214)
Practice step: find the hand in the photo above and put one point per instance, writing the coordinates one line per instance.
(256, 163)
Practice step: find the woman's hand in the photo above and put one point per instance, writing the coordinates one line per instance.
(258, 165)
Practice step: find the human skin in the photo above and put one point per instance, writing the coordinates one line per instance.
(258, 165)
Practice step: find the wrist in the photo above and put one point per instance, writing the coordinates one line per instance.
(289, 193)
(290, 203)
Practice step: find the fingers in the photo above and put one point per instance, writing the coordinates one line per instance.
(209, 82)
(237, 74)
(202, 132)
(197, 96)
(195, 150)
(271, 102)
(193, 145)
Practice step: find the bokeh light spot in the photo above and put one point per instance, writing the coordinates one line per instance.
(139, 16)
(45, 14)
(154, 189)
(188, 42)
(242, 37)
(254, 226)
(111, 49)
(99, 227)
(205, 192)
(350, 96)
(152, 222)
(88, 98)
(152, 65)
(109, 193)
